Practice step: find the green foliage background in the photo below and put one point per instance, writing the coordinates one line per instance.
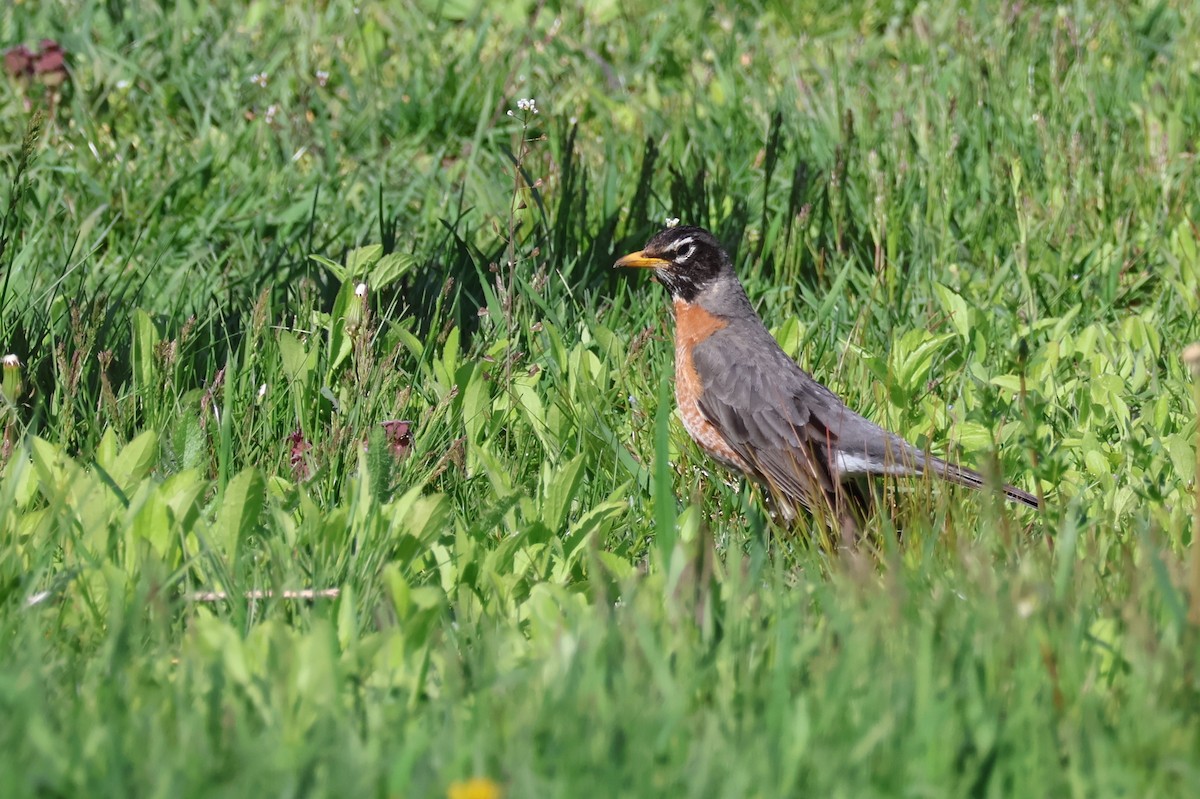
(976, 221)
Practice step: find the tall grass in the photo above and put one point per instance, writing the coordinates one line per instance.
(242, 243)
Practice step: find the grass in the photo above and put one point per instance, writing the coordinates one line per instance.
(975, 222)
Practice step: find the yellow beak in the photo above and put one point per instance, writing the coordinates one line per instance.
(639, 260)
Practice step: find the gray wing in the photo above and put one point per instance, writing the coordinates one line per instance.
(800, 435)
(792, 430)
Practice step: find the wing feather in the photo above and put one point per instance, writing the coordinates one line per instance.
(797, 434)
(763, 416)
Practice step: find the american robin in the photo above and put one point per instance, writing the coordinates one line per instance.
(751, 407)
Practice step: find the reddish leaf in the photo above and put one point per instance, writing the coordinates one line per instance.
(18, 61)
(399, 434)
(300, 448)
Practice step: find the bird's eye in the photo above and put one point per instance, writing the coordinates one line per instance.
(687, 256)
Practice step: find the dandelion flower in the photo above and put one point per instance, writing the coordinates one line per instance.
(477, 788)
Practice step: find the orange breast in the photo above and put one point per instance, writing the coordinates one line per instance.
(693, 325)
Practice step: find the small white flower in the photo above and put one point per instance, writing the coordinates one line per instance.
(272, 110)
(11, 361)
(361, 290)
(527, 104)
(671, 221)
(259, 79)
(322, 77)
(262, 391)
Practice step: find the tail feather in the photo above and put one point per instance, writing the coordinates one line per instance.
(970, 478)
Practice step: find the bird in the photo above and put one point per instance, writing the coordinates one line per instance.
(750, 407)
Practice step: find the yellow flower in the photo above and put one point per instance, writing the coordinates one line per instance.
(475, 788)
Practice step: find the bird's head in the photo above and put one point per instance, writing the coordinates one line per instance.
(686, 260)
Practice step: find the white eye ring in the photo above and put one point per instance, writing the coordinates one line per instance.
(687, 256)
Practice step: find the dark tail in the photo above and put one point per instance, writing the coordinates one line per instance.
(952, 472)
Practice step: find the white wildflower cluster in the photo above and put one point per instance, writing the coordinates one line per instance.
(526, 104)
(259, 79)
(671, 221)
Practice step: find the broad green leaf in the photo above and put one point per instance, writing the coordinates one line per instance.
(955, 308)
(389, 269)
(972, 436)
(790, 336)
(297, 359)
(1096, 462)
(1008, 382)
(561, 486)
(215, 637)
(498, 474)
(136, 460)
(191, 442)
(182, 492)
(107, 451)
(912, 358)
(19, 484)
(448, 366)
(398, 589)
(1183, 457)
(476, 399)
(145, 344)
(422, 517)
(347, 618)
(594, 520)
(149, 520)
(411, 342)
(50, 464)
(343, 326)
(618, 566)
(241, 504)
(360, 261)
(335, 269)
(529, 401)
(427, 597)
